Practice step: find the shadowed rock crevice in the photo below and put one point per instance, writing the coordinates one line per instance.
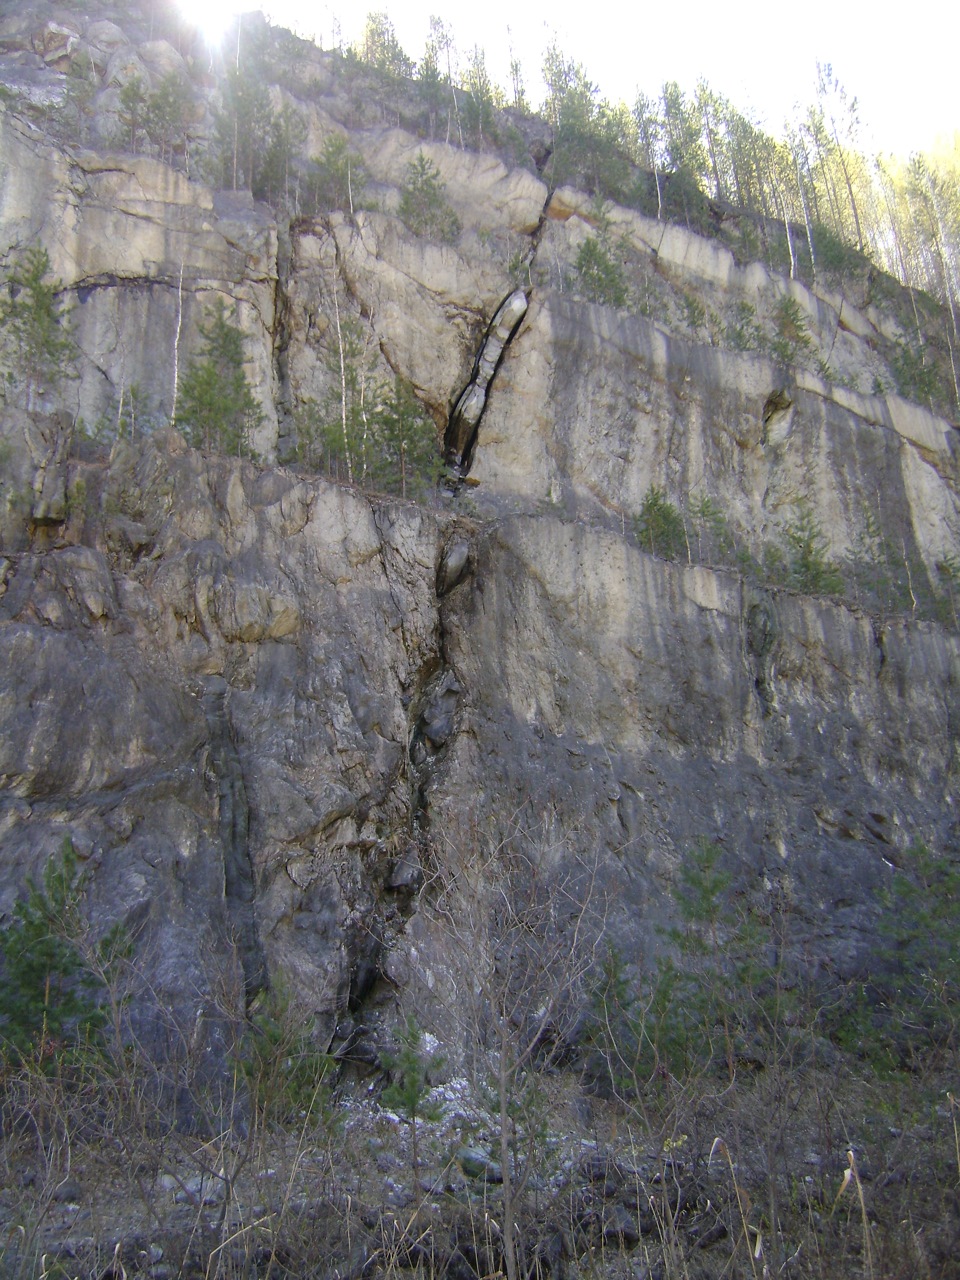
(464, 424)
(760, 636)
(454, 566)
(435, 724)
(233, 829)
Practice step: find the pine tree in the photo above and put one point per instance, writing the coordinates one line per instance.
(339, 177)
(243, 127)
(423, 202)
(47, 992)
(38, 346)
(409, 1090)
(217, 407)
(166, 116)
(275, 180)
(381, 48)
(409, 454)
(483, 98)
(133, 113)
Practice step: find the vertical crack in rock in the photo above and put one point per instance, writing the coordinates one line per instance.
(464, 424)
(233, 823)
(50, 486)
(282, 330)
(761, 633)
(879, 643)
(454, 566)
(433, 713)
(435, 724)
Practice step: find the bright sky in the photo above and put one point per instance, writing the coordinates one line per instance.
(901, 68)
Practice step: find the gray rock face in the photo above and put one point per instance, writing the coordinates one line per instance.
(294, 730)
(139, 688)
(648, 706)
(141, 250)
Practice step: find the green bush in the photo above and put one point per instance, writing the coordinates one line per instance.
(132, 113)
(217, 409)
(38, 347)
(380, 48)
(714, 538)
(694, 312)
(948, 573)
(792, 338)
(277, 179)
(367, 433)
(883, 571)
(725, 992)
(167, 110)
(406, 452)
(743, 332)
(715, 996)
(49, 993)
(916, 377)
(339, 178)
(242, 128)
(409, 1089)
(423, 202)
(834, 255)
(907, 1012)
(599, 276)
(809, 568)
(288, 1077)
(659, 525)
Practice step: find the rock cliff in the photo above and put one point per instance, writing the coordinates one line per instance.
(285, 721)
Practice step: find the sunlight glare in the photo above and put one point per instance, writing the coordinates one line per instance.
(213, 17)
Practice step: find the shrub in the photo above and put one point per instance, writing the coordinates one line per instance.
(379, 437)
(921, 918)
(882, 571)
(132, 113)
(834, 255)
(715, 540)
(277, 178)
(659, 525)
(217, 408)
(908, 1009)
(380, 48)
(743, 331)
(409, 1089)
(694, 312)
(808, 567)
(948, 572)
(423, 202)
(339, 178)
(407, 453)
(48, 997)
(706, 1000)
(915, 377)
(167, 110)
(39, 349)
(242, 128)
(792, 337)
(599, 276)
(288, 1077)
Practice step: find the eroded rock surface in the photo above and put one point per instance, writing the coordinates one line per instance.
(287, 725)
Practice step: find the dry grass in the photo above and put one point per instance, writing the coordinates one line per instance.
(804, 1163)
(876, 1199)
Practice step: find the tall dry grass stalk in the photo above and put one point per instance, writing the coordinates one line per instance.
(754, 1251)
(851, 1177)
